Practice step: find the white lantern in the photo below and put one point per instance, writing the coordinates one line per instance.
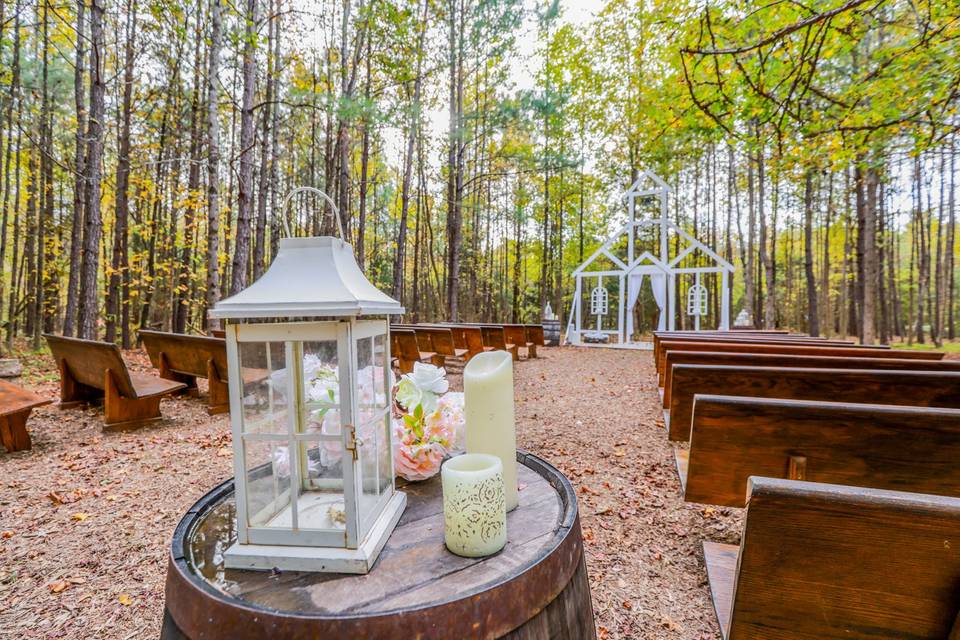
(308, 350)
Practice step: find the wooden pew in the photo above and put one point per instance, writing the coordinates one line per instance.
(867, 445)
(495, 336)
(912, 388)
(535, 335)
(825, 562)
(760, 338)
(809, 362)
(517, 334)
(793, 349)
(405, 347)
(185, 358)
(90, 370)
(664, 343)
(16, 404)
(437, 340)
(472, 338)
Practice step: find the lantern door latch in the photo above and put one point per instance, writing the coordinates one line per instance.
(352, 441)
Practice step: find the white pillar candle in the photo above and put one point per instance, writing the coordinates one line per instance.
(488, 410)
(474, 511)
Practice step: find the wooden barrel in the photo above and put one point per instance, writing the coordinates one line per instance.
(536, 588)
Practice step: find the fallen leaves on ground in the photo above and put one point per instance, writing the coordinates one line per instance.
(86, 516)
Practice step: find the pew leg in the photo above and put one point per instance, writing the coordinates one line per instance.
(121, 413)
(72, 392)
(169, 374)
(218, 399)
(13, 431)
(438, 360)
(405, 366)
(532, 351)
(515, 352)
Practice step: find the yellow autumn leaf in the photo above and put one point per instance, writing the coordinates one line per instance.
(80, 517)
(125, 600)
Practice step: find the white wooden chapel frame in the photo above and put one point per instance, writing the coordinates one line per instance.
(647, 184)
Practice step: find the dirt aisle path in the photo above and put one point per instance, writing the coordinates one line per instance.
(595, 414)
(86, 516)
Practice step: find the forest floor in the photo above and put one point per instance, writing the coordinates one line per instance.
(86, 515)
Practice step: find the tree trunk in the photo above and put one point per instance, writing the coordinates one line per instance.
(119, 265)
(241, 250)
(93, 225)
(213, 165)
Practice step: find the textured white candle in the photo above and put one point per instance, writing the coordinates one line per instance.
(488, 409)
(474, 511)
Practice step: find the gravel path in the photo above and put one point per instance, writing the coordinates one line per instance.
(85, 517)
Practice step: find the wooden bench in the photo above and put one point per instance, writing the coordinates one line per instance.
(185, 358)
(517, 334)
(757, 339)
(472, 337)
(405, 347)
(535, 335)
(867, 445)
(438, 340)
(913, 388)
(706, 344)
(809, 362)
(495, 336)
(825, 562)
(793, 349)
(659, 339)
(91, 370)
(16, 404)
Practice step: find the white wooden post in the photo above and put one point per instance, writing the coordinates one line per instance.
(724, 301)
(671, 302)
(579, 327)
(620, 314)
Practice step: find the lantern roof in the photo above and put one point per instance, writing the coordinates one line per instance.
(309, 277)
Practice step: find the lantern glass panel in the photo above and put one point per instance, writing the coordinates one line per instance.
(385, 388)
(320, 503)
(264, 372)
(268, 482)
(372, 420)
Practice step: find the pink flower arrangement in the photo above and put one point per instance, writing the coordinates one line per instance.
(427, 426)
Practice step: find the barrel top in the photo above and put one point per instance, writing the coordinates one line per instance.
(414, 571)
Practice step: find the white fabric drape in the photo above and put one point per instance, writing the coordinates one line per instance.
(659, 283)
(633, 292)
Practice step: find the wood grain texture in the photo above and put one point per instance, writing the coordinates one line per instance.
(658, 341)
(721, 563)
(406, 348)
(14, 399)
(825, 562)
(184, 354)
(801, 361)
(881, 446)
(90, 370)
(849, 351)
(912, 388)
(537, 584)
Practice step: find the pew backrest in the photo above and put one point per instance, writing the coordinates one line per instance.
(911, 388)
(87, 360)
(869, 445)
(184, 353)
(780, 360)
(829, 562)
(850, 351)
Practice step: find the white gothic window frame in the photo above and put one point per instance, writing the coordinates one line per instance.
(697, 298)
(599, 301)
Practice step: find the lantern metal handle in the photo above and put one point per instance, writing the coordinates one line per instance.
(333, 209)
